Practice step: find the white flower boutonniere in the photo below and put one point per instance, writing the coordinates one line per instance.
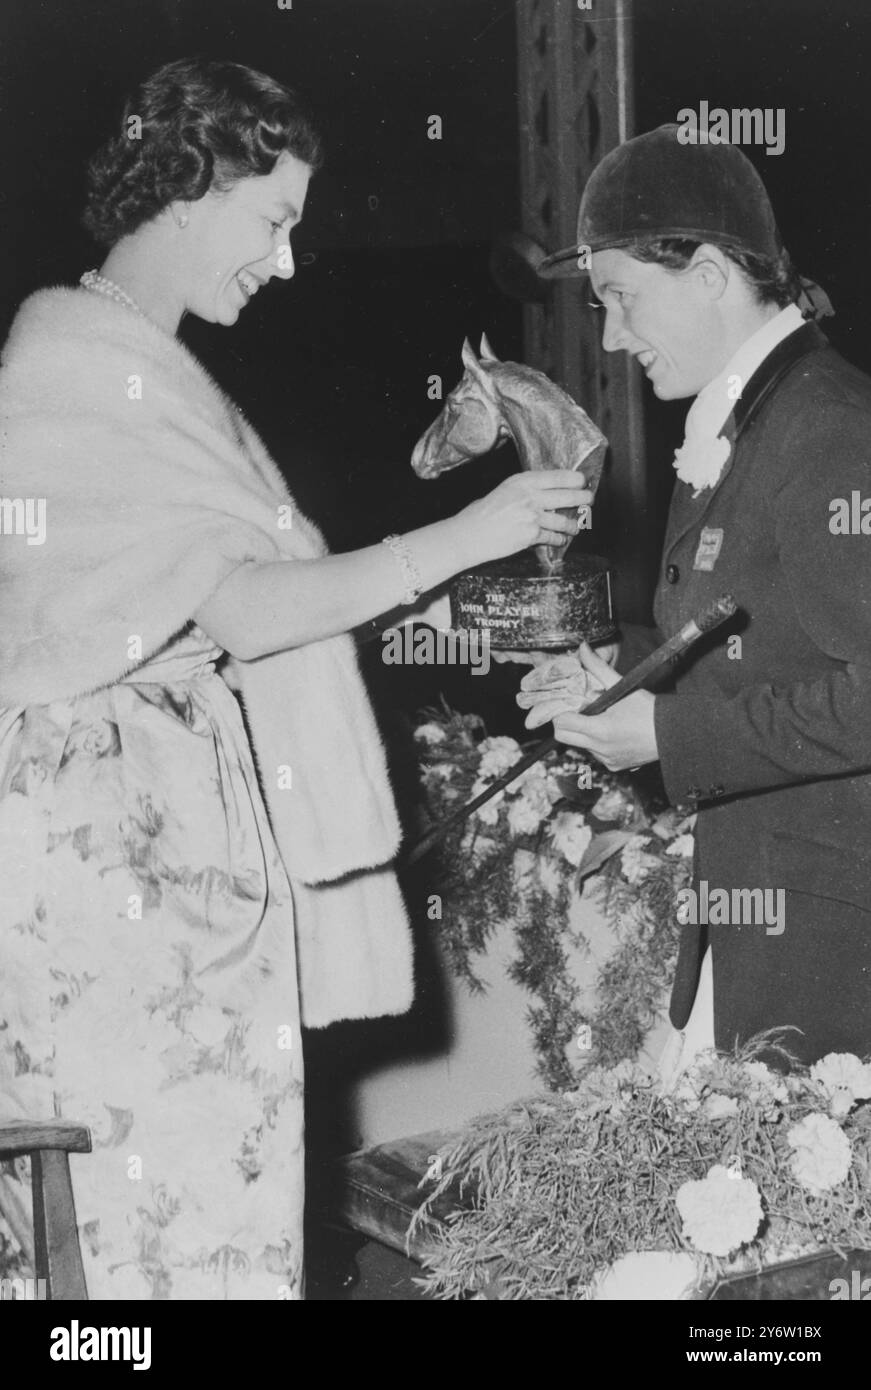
(701, 460)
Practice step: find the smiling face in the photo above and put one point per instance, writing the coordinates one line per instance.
(238, 240)
(669, 320)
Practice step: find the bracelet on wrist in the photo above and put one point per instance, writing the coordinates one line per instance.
(410, 573)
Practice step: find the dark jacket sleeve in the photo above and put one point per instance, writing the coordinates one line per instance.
(773, 734)
(636, 642)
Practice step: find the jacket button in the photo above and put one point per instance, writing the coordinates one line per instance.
(672, 574)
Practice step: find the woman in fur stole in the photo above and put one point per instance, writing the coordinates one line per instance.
(169, 912)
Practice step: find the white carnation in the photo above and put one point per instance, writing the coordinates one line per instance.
(430, 733)
(571, 835)
(719, 1107)
(844, 1079)
(822, 1154)
(497, 755)
(647, 1274)
(637, 864)
(763, 1083)
(536, 778)
(720, 1213)
(525, 816)
(700, 461)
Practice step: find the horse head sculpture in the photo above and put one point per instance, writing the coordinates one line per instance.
(495, 401)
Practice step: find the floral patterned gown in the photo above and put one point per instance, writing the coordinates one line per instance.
(148, 983)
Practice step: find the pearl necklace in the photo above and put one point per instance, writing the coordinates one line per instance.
(92, 280)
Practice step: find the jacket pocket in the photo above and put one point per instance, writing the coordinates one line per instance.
(820, 869)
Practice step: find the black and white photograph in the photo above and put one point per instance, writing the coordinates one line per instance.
(435, 665)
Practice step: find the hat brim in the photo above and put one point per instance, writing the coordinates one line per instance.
(563, 265)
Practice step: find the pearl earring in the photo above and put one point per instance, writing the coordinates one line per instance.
(183, 220)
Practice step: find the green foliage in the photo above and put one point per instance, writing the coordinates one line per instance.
(482, 888)
(540, 927)
(634, 981)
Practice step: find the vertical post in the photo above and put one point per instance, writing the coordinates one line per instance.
(576, 103)
(56, 1241)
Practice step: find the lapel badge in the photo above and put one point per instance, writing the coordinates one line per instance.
(710, 545)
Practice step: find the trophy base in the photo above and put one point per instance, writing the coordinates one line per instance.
(523, 608)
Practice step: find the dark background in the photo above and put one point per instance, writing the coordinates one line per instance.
(392, 255)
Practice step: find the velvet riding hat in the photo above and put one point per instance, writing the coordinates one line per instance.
(655, 185)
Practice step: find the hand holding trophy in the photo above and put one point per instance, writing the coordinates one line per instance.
(540, 600)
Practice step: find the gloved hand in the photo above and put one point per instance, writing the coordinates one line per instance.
(609, 653)
(559, 685)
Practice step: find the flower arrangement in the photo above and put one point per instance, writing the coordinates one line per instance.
(623, 1189)
(585, 831)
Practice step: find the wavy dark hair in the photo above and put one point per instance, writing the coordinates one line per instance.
(773, 281)
(204, 124)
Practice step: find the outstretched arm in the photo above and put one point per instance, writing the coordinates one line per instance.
(266, 607)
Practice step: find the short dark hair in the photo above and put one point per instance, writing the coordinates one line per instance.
(204, 124)
(773, 281)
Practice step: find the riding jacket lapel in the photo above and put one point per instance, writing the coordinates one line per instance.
(688, 511)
